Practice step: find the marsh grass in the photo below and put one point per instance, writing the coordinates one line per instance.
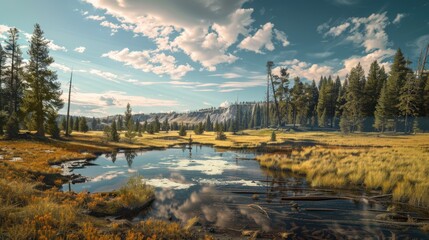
(396, 164)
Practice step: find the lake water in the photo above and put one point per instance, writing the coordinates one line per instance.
(229, 195)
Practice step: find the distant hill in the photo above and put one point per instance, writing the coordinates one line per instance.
(220, 114)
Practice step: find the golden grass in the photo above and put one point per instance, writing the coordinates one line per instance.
(392, 164)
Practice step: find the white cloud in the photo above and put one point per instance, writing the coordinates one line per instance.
(80, 49)
(55, 47)
(281, 36)
(244, 84)
(61, 67)
(96, 17)
(398, 18)
(224, 104)
(380, 55)
(203, 30)
(336, 31)
(261, 39)
(110, 25)
(150, 61)
(368, 32)
(226, 75)
(106, 75)
(3, 31)
(297, 68)
(231, 90)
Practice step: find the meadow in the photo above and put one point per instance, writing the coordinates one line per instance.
(33, 206)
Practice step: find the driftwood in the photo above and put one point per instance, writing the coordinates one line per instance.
(315, 198)
(243, 158)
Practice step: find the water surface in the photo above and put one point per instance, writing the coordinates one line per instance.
(229, 195)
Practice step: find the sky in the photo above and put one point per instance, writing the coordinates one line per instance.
(182, 55)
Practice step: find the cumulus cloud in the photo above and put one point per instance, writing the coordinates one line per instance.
(150, 61)
(96, 17)
(281, 36)
(55, 47)
(368, 32)
(80, 49)
(380, 55)
(204, 30)
(336, 31)
(224, 104)
(398, 18)
(297, 68)
(261, 39)
(3, 31)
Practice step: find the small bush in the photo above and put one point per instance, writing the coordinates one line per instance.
(273, 136)
(220, 136)
(182, 131)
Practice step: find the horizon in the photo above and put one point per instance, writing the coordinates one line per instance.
(204, 54)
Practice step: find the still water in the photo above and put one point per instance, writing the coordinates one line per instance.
(229, 192)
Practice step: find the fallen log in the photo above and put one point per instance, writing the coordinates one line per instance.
(315, 198)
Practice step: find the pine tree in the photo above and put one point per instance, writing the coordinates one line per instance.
(114, 135)
(273, 136)
(127, 116)
(76, 124)
(83, 126)
(165, 125)
(120, 123)
(182, 131)
(43, 95)
(380, 113)
(394, 84)
(63, 123)
(199, 128)
(12, 126)
(94, 124)
(52, 126)
(157, 124)
(353, 115)
(2, 73)
(409, 99)
(13, 78)
(130, 134)
(209, 124)
(71, 124)
(3, 113)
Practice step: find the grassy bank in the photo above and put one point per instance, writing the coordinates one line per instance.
(392, 164)
(33, 207)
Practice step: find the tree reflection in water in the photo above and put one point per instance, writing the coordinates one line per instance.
(129, 157)
(112, 156)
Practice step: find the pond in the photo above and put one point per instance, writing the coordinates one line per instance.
(229, 192)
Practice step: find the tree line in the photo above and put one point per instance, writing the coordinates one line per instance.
(29, 90)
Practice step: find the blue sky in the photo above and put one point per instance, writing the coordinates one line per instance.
(183, 55)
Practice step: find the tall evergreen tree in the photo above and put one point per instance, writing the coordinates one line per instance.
(83, 125)
(157, 124)
(127, 116)
(353, 115)
(2, 73)
(390, 101)
(93, 124)
(209, 124)
(409, 99)
(114, 135)
(13, 81)
(165, 125)
(42, 97)
(3, 114)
